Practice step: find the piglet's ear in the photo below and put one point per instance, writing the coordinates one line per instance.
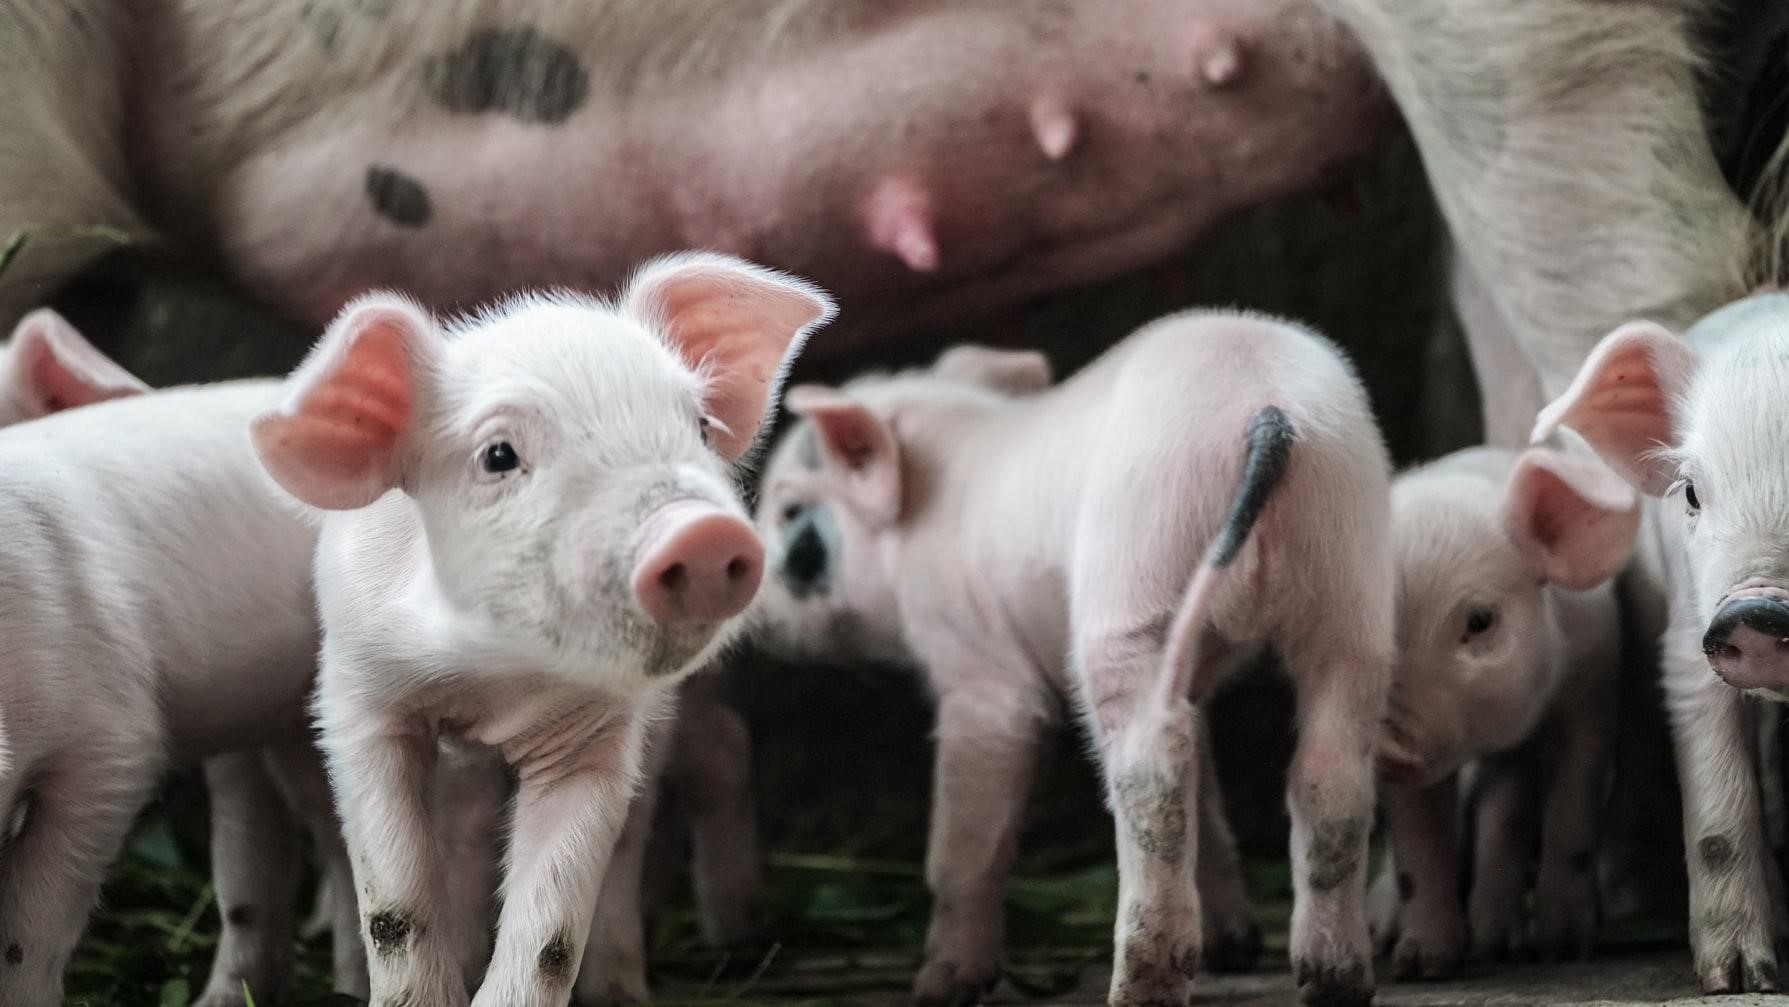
(736, 324)
(859, 447)
(52, 368)
(337, 441)
(1015, 372)
(1572, 516)
(1621, 401)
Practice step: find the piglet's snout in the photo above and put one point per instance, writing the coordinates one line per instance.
(1748, 643)
(697, 564)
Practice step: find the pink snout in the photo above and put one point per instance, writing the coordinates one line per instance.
(698, 564)
(1747, 644)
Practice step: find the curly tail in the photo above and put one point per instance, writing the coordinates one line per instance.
(1270, 439)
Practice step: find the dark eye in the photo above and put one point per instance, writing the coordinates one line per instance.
(1479, 620)
(500, 457)
(1689, 496)
(791, 512)
(702, 425)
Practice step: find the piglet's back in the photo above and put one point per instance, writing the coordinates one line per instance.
(141, 534)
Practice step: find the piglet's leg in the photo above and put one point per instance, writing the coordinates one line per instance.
(467, 802)
(75, 820)
(987, 753)
(1231, 931)
(1425, 853)
(1581, 749)
(298, 770)
(1151, 760)
(380, 767)
(614, 966)
(711, 762)
(1505, 819)
(567, 821)
(1730, 931)
(255, 861)
(1330, 795)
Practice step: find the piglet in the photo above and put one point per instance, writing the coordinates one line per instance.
(1697, 423)
(1088, 545)
(156, 611)
(1509, 654)
(533, 536)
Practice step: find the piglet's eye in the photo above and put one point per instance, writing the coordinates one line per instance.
(1480, 620)
(1689, 497)
(500, 457)
(702, 425)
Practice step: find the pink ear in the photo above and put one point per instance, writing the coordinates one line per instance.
(337, 441)
(1572, 515)
(738, 325)
(55, 368)
(1621, 401)
(1016, 372)
(859, 446)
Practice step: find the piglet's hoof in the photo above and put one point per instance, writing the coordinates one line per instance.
(1234, 951)
(1738, 972)
(1413, 960)
(949, 984)
(1337, 984)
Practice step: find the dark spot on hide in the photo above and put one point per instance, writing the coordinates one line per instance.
(516, 71)
(397, 197)
(1406, 887)
(15, 955)
(1270, 449)
(242, 916)
(555, 960)
(1716, 853)
(1154, 810)
(1334, 853)
(389, 931)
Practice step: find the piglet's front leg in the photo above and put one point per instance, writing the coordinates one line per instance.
(571, 804)
(380, 767)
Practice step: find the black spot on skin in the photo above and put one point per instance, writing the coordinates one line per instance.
(397, 197)
(242, 916)
(1334, 853)
(1406, 887)
(1581, 862)
(555, 960)
(1270, 448)
(15, 955)
(515, 71)
(388, 931)
(1716, 853)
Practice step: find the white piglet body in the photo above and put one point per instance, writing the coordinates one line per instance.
(1084, 545)
(156, 611)
(534, 536)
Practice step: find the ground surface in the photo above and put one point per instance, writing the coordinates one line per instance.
(1617, 980)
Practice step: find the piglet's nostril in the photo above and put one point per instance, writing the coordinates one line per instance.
(675, 578)
(738, 568)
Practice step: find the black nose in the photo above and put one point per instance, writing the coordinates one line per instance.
(804, 564)
(1766, 615)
